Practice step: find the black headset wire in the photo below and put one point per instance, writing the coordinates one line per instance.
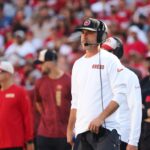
(101, 85)
(100, 74)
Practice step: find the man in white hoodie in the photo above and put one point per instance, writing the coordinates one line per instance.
(130, 113)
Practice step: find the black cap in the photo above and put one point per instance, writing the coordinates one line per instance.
(95, 25)
(46, 55)
(89, 24)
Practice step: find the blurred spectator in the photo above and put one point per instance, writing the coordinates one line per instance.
(101, 7)
(69, 20)
(19, 21)
(140, 34)
(9, 8)
(5, 21)
(53, 41)
(142, 22)
(16, 126)
(1, 45)
(53, 100)
(31, 78)
(148, 37)
(145, 85)
(143, 8)
(135, 42)
(20, 46)
(41, 23)
(22, 5)
(63, 63)
(36, 42)
(76, 52)
(123, 14)
(9, 39)
(87, 13)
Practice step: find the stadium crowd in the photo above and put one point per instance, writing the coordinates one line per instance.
(29, 26)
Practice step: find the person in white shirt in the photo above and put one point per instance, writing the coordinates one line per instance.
(97, 89)
(20, 47)
(130, 113)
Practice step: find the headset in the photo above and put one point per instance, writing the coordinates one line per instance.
(118, 51)
(101, 32)
(100, 28)
(95, 25)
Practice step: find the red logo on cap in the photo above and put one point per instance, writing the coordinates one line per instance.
(87, 22)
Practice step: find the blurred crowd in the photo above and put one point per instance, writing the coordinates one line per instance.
(27, 26)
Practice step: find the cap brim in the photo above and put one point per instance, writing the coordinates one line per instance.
(36, 62)
(85, 28)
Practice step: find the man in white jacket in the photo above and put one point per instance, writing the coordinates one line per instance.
(97, 88)
(130, 113)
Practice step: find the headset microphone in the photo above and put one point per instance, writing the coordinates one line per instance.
(88, 44)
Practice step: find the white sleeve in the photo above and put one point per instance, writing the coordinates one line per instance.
(118, 84)
(135, 106)
(74, 88)
(10, 50)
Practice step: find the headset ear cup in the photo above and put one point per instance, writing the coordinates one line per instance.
(101, 36)
(104, 37)
(101, 32)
